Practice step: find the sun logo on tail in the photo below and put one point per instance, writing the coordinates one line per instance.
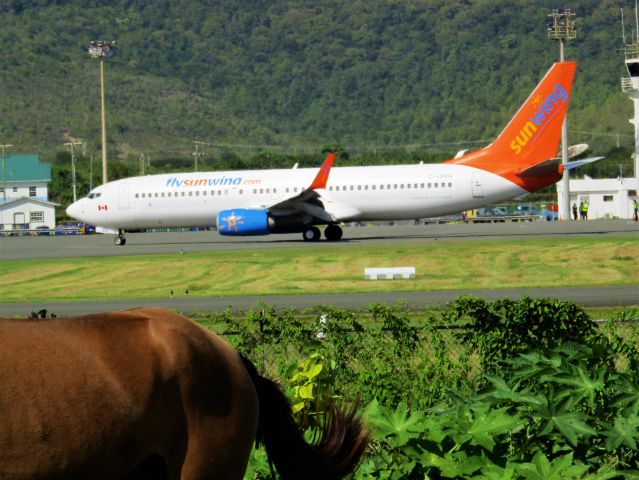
(537, 101)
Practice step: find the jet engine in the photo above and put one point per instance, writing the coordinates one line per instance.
(242, 221)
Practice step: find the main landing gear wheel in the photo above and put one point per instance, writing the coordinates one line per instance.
(311, 234)
(333, 233)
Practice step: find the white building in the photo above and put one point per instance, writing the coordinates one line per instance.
(27, 214)
(24, 194)
(606, 197)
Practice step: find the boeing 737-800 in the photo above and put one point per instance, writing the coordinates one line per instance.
(522, 159)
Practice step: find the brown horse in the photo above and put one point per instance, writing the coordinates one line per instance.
(148, 393)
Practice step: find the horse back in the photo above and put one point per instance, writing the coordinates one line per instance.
(94, 396)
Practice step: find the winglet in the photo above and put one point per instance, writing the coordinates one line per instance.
(322, 176)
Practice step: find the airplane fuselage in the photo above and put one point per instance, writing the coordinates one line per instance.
(352, 193)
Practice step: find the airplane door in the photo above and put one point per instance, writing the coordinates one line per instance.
(123, 197)
(477, 186)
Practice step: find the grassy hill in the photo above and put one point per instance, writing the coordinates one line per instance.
(295, 75)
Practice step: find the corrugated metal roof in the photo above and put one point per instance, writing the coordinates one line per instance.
(21, 168)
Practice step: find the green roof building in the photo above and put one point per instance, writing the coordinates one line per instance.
(24, 176)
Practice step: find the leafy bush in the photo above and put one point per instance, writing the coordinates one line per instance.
(504, 328)
(507, 389)
(567, 421)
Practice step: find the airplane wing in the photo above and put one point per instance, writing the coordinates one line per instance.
(312, 199)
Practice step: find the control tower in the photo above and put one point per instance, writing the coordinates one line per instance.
(630, 86)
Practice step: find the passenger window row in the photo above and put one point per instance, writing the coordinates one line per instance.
(256, 191)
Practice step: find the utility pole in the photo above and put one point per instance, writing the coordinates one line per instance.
(562, 29)
(4, 173)
(141, 164)
(91, 174)
(197, 153)
(73, 181)
(102, 50)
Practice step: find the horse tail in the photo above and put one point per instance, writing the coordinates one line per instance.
(335, 454)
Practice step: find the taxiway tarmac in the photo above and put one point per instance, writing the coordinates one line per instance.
(74, 246)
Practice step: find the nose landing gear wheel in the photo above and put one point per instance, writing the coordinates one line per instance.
(333, 233)
(120, 240)
(311, 234)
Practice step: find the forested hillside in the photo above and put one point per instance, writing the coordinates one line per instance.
(297, 75)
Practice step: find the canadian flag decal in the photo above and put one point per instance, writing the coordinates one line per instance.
(103, 207)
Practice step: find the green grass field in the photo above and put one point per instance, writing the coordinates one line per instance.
(340, 269)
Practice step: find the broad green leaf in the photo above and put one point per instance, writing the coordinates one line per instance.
(543, 469)
(570, 424)
(487, 425)
(582, 385)
(490, 471)
(398, 424)
(625, 431)
(502, 391)
(305, 391)
(315, 370)
(450, 466)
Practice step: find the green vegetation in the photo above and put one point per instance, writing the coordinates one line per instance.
(337, 268)
(386, 81)
(525, 389)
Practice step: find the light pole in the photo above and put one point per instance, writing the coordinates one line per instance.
(74, 183)
(4, 173)
(562, 29)
(102, 50)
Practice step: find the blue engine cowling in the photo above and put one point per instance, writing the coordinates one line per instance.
(242, 221)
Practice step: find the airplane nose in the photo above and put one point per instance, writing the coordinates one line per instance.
(75, 210)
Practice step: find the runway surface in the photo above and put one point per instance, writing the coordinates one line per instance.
(74, 246)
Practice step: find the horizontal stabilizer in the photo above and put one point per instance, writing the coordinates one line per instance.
(579, 163)
(542, 169)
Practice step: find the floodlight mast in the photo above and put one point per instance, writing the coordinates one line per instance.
(562, 28)
(101, 50)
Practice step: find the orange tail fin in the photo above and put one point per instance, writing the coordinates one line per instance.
(533, 134)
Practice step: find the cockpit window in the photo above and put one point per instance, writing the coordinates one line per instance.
(94, 195)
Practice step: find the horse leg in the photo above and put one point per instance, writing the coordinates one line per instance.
(211, 456)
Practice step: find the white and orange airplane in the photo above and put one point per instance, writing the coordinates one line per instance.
(522, 159)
